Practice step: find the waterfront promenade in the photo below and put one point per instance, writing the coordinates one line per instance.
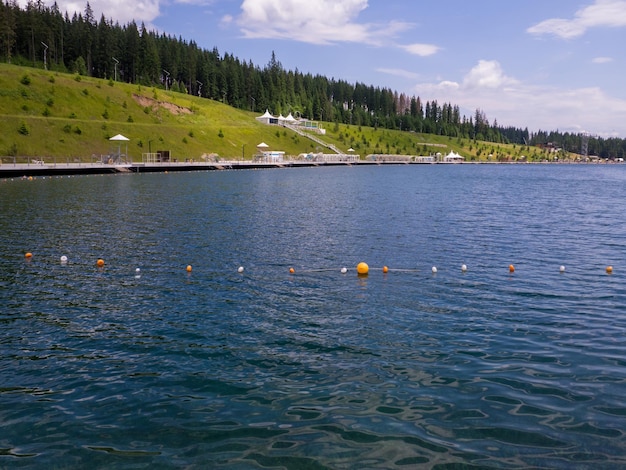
(44, 168)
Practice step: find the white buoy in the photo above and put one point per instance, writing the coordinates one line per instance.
(344, 270)
(63, 259)
(138, 270)
(240, 269)
(562, 269)
(434, 269)
(463, 268)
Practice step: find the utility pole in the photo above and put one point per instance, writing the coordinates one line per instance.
(45, 59)
(115, 67)
(167, 78)
(199, 87)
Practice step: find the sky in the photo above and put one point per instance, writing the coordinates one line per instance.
(541, 64)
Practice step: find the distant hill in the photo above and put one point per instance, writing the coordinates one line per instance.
(69, 116)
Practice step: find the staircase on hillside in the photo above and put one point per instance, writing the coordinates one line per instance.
(314, 138)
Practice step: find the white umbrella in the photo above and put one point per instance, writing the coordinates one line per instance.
(120, 138)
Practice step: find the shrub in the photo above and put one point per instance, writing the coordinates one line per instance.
(77, 130)
(130, 119)
(46, 112)
(85, 92)
(220, 134)
(23, 129)
(67, 128)
(105, 114)
(25, 80)
(50, 102)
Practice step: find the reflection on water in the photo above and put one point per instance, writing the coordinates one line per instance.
(317, 369)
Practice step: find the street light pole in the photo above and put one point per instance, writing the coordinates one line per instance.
(115, 67)
(243, 152)
(167, 78)
(45, 50)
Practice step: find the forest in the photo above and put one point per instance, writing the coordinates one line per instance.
(44, 37)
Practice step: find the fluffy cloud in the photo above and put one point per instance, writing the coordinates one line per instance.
(602, 13)
(121, 11)
(315, 22)
(511, 102)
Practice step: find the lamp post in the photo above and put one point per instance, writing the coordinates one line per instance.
(199, 87)
(115, 67)
(167, 78)
(45, 50)
(243, 152)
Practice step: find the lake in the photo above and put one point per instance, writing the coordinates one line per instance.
(146, 363)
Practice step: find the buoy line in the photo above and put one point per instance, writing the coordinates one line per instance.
(362, 268)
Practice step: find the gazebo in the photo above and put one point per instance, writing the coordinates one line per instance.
(117, 157)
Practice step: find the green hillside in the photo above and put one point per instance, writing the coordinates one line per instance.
(68, 117)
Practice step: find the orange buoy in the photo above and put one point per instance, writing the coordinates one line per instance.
(609, 269)
(28, 255)
(100, 263)
(189, 268)
(291, 270)
(362, 268)
(385, 269)
(511, 268)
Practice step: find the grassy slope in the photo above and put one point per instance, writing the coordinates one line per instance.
(68, 117)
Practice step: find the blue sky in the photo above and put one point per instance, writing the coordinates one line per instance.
(550, 65)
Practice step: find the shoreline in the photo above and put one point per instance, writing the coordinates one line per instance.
(40, 168)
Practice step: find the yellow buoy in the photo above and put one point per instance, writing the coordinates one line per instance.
(291, 270)
(362, 268)
(511, 268)
(385, 269)
(100, 263)
(609, 269)
(28, 255)
(188, 268)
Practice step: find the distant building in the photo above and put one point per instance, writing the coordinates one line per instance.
(290, 121)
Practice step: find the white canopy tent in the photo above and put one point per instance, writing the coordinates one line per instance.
(453, 157)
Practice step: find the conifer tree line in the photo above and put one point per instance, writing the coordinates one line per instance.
(42, 36)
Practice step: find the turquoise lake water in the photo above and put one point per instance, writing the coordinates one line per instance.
(163, 368)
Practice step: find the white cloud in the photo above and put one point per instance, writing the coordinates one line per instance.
(602, 60)
(513, 103)
(313, 21)
(121, 11)
(422, 50)
(602, 13)
(399, 73)
(487, 74)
